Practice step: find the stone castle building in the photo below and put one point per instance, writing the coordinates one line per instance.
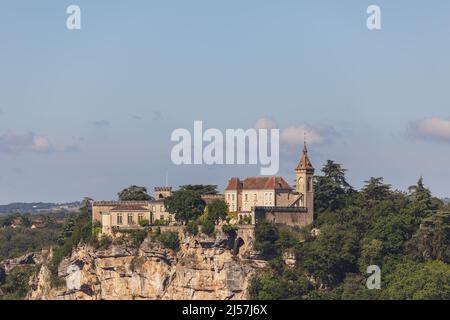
(250, 200)
(129, 214)
(273, 199)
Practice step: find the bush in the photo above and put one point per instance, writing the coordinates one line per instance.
(16, 284)
(266, 236)
(160, 222)
(137, 237)
(192, 228)
(144, 223)
(169, 240)
(230, 230)
(208, 228)
(104, 242)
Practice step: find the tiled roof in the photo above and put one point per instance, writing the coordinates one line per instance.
(305, 163)
(258, 183)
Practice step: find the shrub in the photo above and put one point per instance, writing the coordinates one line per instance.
(208, 228)
(160, 222)
(144, 223)
(16, 284)
(230, 230)
(169, 240)
(97, 231)
(104, 242)
(192, 228)
(137, 237)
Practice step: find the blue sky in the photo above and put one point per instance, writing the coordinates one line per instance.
(89, 112)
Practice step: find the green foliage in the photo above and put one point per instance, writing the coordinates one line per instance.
(208, 228)
(77, 230)
(200, 188)
(137, 237)
(419, 281)
(290, 285)
(217, 211)
(187, 205)
(16, 284)
(432, 239)
(331, 188)
(169, 240)
(21, 240)
(286, 239)
(406, 235)
(230, 230)
(160, 222)
(144, 223)
(266, 235)
(192, 228)
(376, 190)
(134, 193)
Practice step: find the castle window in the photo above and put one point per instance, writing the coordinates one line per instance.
(309, 184)
(232, 197)
(246, 197)
(130, 218)
(119, 219)
(255, 197)
(162, 208)
(161, 217)
(140, 217)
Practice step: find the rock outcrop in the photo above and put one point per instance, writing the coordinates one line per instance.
(203, 268)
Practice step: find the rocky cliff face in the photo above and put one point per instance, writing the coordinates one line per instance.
(203, 268)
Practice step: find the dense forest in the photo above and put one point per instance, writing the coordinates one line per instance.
(23, 237)
(406, 234)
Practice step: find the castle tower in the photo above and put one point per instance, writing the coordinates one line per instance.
(162, 192)
(304, 178)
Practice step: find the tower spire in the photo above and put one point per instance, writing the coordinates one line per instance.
(305, 163)
(305, 148)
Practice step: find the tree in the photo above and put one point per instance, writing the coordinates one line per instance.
(376, 190)
(200, 188)
(266, 235)
(134, 193)
(187, 205)
(432, 239)
(421, 196)
(419, 281)
(217, 210)
(331, 188)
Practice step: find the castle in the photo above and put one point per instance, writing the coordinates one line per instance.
(251, 200)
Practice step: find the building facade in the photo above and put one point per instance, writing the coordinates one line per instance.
(272, 198)
(251, 200)
(130, 214)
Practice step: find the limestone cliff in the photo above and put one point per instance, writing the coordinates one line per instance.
(203, 268)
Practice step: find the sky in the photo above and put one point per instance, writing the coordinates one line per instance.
(89, 112)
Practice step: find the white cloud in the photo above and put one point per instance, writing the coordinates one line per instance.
(12, 143)
(432, 128)
(41, 144)
(265, 123)
(315, 134)
(30, 142)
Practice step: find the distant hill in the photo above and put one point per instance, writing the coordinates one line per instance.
(37, 207)
(446, 200)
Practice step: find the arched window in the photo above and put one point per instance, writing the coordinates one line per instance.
(300, 185)
(309, 184)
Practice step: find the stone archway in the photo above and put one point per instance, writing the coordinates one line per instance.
(238, 243)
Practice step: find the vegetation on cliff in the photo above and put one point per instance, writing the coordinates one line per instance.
(406, 234)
